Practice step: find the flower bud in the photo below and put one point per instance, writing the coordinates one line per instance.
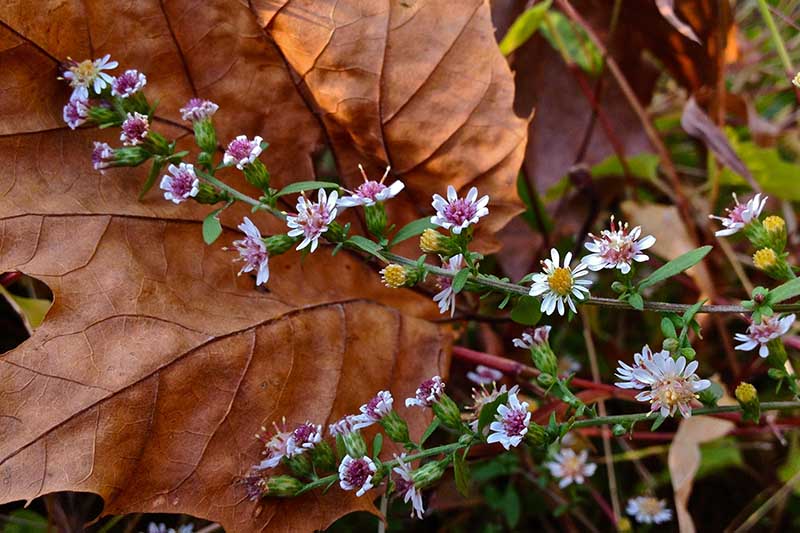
(777, 353)
(624, 525)
(282, 486)
(129, 156)
(205, 135)
(670, 345)
(257, 174)
(103, 116)
(323, 458)
(536, 435)
(618, 430)
(774, 265)
(775, 227)
(394, 276)
(157, 144)
(335, 233)
(747, 395)
(429, 473)
(541, 353)
(395, 427)
(353, 443)
(208, 194)
(300, 465)
(433, 242)
(375, 216)
(448, 412)
(279, 244)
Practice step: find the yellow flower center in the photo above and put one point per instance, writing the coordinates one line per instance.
(560, 281)
(429, 241)
(765, 258)
(774, 224)
(746, 393)
(650, 506)
(394, 276)
(84, 71)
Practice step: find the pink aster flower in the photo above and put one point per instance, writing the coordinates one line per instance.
(129, 83)
(511, 424)
(356, 474)
(253, 252)
(529, 339)
(740, 215)
(557, 283)
(370, 192)
(404, 484)
(446, 298)
(343, 426)
(87, 74)
(672, 384)
(102, 156)
(456, 214)
(312, 219)
(181, 183)
(242, 151)
(427, 393)
(771, 327)
(617, 248)
(197, 109)
(134, 129)
(305, 437)
(483, 375)
(76, 112)
(627, 374)
(275, 447)
(374, 410)
(570, 467)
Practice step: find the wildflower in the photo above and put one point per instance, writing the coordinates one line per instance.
(129, 83)
(527, 340)
(351, 438)
(560, 283)
(241, 151)
(765, 258)
(511, 424)
(568, 365)
(253, 251)
(570, 467)
(312, 219)
(102, 156)
(740, 215)
(305, 437)
(482, 397)
(746, 392)
(628, 373)
(761, 334)
(343, 426)
(404, 484)
(370, 192)
(673, 384)
(541, 353)
(427, 393)
(374, 410)
(134, 129)
(275, 448)
(152, 527)
(446, 298)
(617, 248)
(456, 214)
(483, 375)
(356, 474)
(394, 276)
(197, 109)
(76, 112)
(648, 510)
(181, 183)
(89, 73)
(796, 80)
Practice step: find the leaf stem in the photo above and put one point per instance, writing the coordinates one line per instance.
(776, 36)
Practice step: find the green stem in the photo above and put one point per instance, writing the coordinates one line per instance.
(776, 36)
(241, 196)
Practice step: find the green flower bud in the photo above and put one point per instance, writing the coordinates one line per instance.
(670, 345)
(747, 395)
(129, 156)
(103, 116)
(257, 174)
(279, 244)
(353, 443)
(205, 135)
(618, 430)
(429, 473)
(323, 458)
(208, 194)
(335, 233)
(777, 353)
(448, 412)
(773, 264)
(376, 219)
(156, 143)
(300, 465)
(433, 242)
(282, 486)
(536, 435)
(396, 428)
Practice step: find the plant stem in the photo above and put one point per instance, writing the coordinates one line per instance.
(776, 36)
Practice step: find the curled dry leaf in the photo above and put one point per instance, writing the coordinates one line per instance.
(667, 10)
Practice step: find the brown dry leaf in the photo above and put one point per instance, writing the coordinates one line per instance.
(667, 10)
(684, 460)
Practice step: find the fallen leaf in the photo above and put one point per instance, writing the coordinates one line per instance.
(667, 10)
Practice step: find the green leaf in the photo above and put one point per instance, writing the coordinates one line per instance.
(212, 229)
(151, 177)
(636, 301)
(34, 309)
(526, 311)
(511, 506)
(429, 431)
(460, 279)
(668, 328)
(302, 186)
(676, 266)
(25, 521)
(790, 289)
(658, 421)
(412, 229)
(461, 472)
(377, 445)
(524, 27)
(365, 245)
(489, 410)
(579, 48)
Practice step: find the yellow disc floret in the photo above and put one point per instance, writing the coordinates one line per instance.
(560, 281)
(394, 276)
(746, 393)
(429, 241)
(774, 224)
(765, 258)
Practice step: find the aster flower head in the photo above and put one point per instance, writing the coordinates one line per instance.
(128, 83)
(181, 183)
(446, 297)
(484, 375)
(343, 426)
(530, 339)
(371, 192)
(197, 109)
(76, 112)
(670, 384)
(740, 215)
(483, 396)
(374, 410)
(759, 335)
(88, 73)
(511, 423)
(457, 214)
(275, 447)
(312, 218)
(627, 373)
(796, 80)
(559, 283)
(648, 510)
(305, 437)
(427, 393)
(252, 252)
(102, 156)
(134, 129)
(152, 527)
(404, 484)
(242, 151)
(617, 247)
(570, 467)
(356, 474)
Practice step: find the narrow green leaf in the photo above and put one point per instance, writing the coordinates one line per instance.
(657, 423)
(428, 432)
(301, 186)
(676, 266)
(526, 311)
(377, 445)
(461, 474)
(212, 229)
(412, 229)
(524, 27)
(488, 412)
(790, 289)
(151, 177)
(668, 328)
(460, 279)
(636, 301)
(512, 506)
(365, 245)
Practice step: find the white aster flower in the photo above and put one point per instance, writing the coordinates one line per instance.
(152, 527)
(648, 510)
(356, 474)
(343, 426)
(129, 83)
(305, 437)
(135, 129)
(76, 112)
(617, 248)
(371, 192)
(102, 156)
(672, 384)
(627, 374)
(482, 397)
(558, 284)
(374, 410)
(312, 219)
(404, 484)
(446, 298)
(181, 183)
(456, 214)
(570, 467)
(275, 447)
(253, 252)
(197, 109)
(528, 340)
(242, 151)
(484, 375)
(87, 74)
(771, 327)
(740, 215)
(511, 424)
(796, 80)
(428, 393)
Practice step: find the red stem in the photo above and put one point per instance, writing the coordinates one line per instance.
(9, 277)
